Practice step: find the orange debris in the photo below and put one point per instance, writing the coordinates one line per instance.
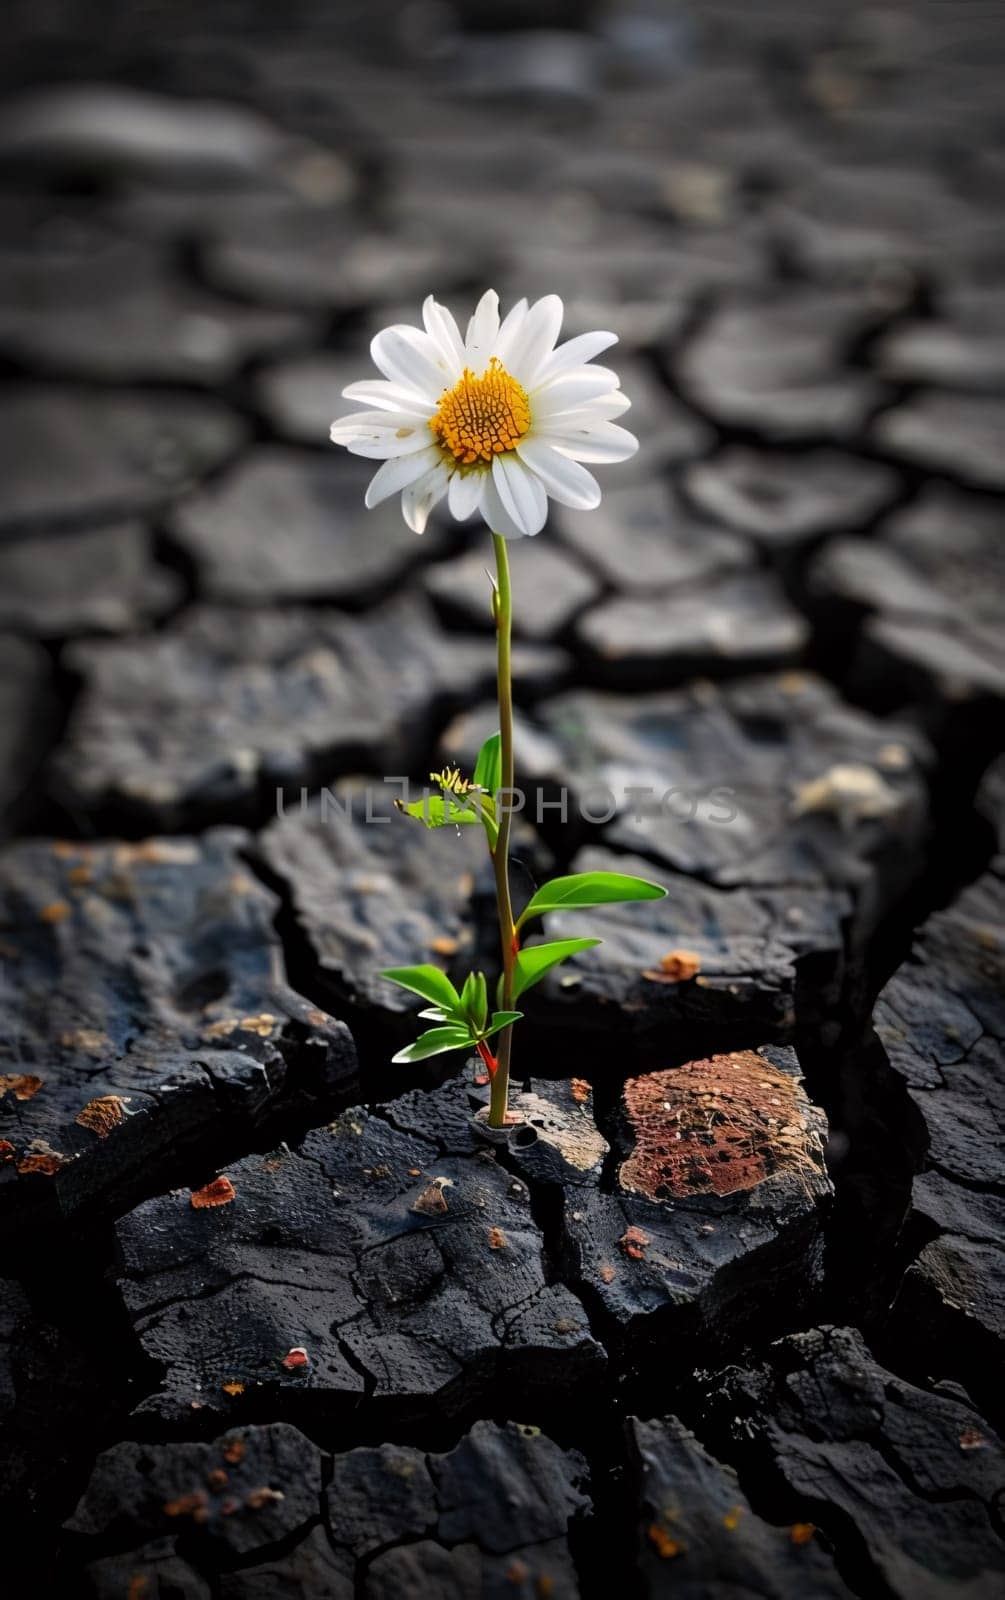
(218, 1193)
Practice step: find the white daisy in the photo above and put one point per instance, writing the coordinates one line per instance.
(497, 421)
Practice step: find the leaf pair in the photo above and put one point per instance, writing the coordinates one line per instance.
(465, 1016)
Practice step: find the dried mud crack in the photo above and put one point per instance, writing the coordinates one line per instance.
(723, 1312)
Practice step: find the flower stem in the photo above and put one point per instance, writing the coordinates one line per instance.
(499, 1093)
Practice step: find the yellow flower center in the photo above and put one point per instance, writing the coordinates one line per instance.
(480, 417)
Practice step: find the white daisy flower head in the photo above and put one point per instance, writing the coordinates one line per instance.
(497, 421)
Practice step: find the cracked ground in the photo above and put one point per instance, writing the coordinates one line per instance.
(723, 1314)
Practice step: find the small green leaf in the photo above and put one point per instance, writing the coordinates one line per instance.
(434, 1043)
(434, 1014)
(584, 889)
(474, 1000)
(500, 1020)
(449, 811)
(431, 983)
(440, 811)
(481, 1002)
(537, 959)
(488, 767)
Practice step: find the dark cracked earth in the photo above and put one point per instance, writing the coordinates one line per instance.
(722, 1316)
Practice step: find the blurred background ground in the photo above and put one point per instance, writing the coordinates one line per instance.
(793, 217)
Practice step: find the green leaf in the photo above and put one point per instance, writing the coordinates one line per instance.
(481, 1002)
(448, 811)
(434, 1043)
(434, 1014)
(583, 889)
(431, 983)
(440, 811)
(488, 767)
(537, 959)
(474, 1000)
(500, 1020)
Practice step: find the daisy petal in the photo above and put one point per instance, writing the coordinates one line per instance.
(465, 494)
(483, 330)
(602, 407)
(566, 481)
(598, 442)
(443, 330)
(571, 389)
(495, 513)
(381, 434)
(533, 344)
(575, 353)
(396, 475)
(511, 326)
(608, 405)
(387, 397)
(420, 497)
(521, 493)
(408, 356)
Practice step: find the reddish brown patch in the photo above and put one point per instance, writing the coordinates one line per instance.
(802, 1532)
(633, 1243)
(665, 1546)
(55, 911)
(443, 945)
(234, 1447)
(677, 966)
(497, 1239)
(296, 1358)
(139, 1585)
(80, 876)
(432, 1202)
(46, 1162)
(233, 1387)
(714, 1126)
(580, 1090)
(102, 1115)
(194, 1505)
(22, 1085)
(217, 1479)
(7, 1151)
(607, 1273)
(545, 1586)
(218, 1193)
(972, 1439)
